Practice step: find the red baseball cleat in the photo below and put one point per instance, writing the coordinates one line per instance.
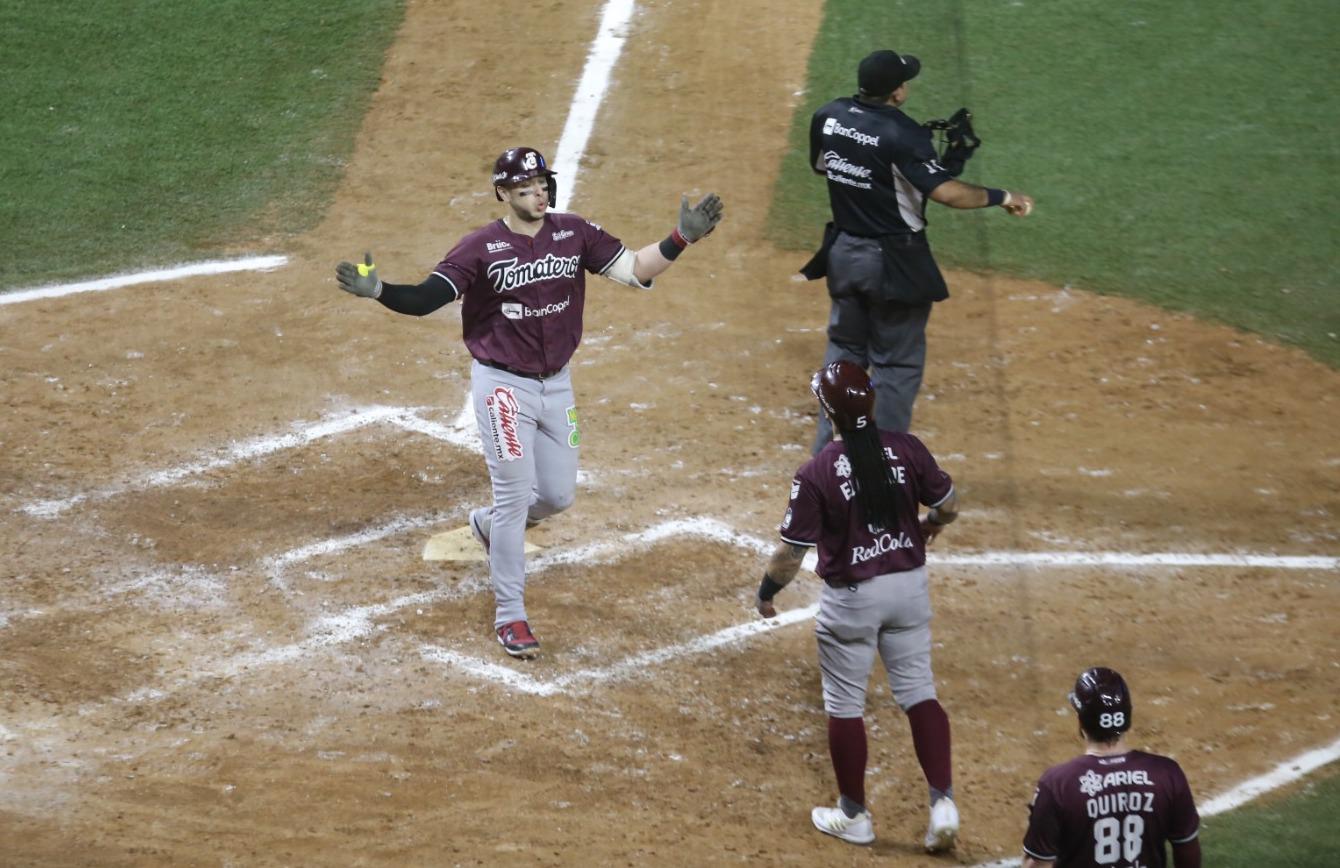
(517, 639)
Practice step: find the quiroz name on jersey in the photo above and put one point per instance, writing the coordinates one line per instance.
(509, 274)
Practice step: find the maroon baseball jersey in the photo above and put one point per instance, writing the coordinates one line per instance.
(1117, 810)
(824, 512)
(523, 297)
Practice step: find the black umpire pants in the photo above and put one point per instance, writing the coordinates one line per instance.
(884, 335)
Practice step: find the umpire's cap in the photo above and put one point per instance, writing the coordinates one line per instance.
(882, 72)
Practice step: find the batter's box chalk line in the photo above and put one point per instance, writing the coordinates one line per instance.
(459, 433)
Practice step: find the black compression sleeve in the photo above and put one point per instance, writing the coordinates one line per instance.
(419, 300)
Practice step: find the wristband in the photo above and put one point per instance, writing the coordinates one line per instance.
(997, 197)
(768, 589)
(673, 245)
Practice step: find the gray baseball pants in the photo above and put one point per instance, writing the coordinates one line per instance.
(886, 338)
(889, 615)
(531, 444)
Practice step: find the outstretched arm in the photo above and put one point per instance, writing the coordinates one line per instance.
(961, 194)
(695, 222)
(414, 300)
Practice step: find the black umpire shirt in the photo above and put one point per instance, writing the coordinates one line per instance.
(880, 165)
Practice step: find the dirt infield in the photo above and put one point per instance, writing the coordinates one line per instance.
(219, 643)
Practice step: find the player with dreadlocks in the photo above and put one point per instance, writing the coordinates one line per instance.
(858, 502)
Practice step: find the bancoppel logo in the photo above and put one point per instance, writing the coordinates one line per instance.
(565, 233)
(835, 162)
(551, 308)
(517, 310)
(833, 128)
(495, 246)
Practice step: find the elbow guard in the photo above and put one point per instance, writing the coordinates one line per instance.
(621, 270)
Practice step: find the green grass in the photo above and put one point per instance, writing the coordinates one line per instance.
(1298, 830)
(144, 132)
(1181, 153)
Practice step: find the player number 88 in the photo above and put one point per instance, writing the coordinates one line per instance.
(1114, 838)
(1112, 720)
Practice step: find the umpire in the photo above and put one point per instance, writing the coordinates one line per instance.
(881, 168)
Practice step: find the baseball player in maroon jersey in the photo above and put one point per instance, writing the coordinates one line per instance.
(1113, 805)
(858, 500)
(522, 281)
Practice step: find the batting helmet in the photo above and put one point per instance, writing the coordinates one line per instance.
(1103, 703)
(844, 391)
(515, 165)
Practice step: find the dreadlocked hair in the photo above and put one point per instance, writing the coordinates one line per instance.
(876, 487)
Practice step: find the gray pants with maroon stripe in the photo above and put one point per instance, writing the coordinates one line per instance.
(531, 443)
(889, 615)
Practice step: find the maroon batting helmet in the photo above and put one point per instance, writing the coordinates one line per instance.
(1103, 703)
(515, 165)
(844, 391)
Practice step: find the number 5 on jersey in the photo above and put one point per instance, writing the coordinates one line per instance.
(575, 435)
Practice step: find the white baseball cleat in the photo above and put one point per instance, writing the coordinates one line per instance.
(943, 829)
(832, 821)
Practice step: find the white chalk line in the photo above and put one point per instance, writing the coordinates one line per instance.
(1285, 773)
(276, 565)
(176, 272)
(240, 452)
(463, 431)
(600, 59)
(638, 664)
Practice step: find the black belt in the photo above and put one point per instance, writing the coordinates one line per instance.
(527, 374)
(840, 583)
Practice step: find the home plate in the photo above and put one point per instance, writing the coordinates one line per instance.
(458, 545)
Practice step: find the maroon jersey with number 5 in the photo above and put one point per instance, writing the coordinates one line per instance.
(824, 512)
(1111, 811)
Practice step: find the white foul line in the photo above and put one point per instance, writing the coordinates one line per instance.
(235, 454)
(600, 60)
(176, 272)
(1285, 773)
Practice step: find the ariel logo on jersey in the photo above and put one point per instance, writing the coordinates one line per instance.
(1091, 783)
(503, 409)
(510, 274)
(833, 128)
(563, 233)
(883, 544)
